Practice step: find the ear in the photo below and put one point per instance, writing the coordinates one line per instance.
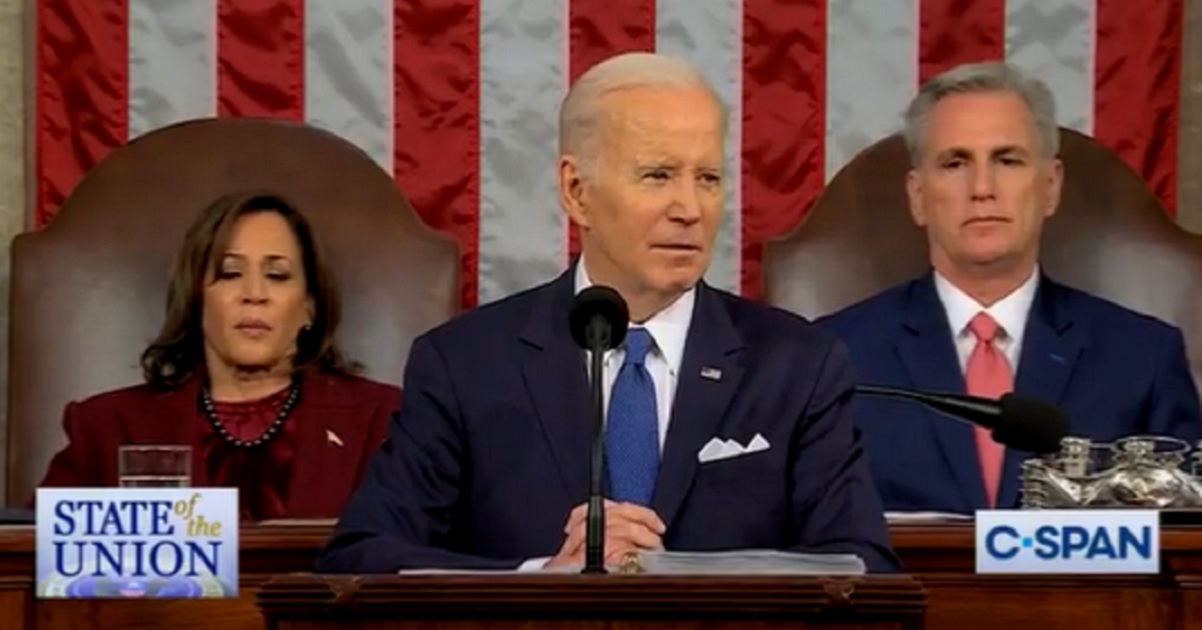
(1055, 186)
(914, 194)
(572, 190)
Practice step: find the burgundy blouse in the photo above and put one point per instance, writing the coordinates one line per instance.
(261, 473)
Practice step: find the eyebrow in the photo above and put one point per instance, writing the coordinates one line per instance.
(270, 257)
(667, 165)
(961, 152)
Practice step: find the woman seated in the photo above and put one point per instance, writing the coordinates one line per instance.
(245, 371)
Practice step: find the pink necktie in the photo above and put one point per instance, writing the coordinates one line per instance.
(988, 374)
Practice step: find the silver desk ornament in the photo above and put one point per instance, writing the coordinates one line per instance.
(1142, 471)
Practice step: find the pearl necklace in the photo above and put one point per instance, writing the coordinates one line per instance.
(206, 401)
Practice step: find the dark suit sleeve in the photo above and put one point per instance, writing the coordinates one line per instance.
(835, 505)
(1173, 407)
(403, 515)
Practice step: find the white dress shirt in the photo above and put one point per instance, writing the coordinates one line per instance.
(1010, 313)
(669, 329)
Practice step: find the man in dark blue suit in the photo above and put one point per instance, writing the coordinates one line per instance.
(983, 142)
(726, 425)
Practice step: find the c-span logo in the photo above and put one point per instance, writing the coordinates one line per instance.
(137, 542)
(1068, 541)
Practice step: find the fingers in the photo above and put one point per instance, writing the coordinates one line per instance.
(579, 515)
(632, 533)
(576, 528)
(575, 539)
(628, 527)
(638, 514)
(626, 520)
(619, 538)
(576, 517)
(615, 553)
(566, 559)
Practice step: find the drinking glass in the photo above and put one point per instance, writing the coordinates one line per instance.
(154, 466)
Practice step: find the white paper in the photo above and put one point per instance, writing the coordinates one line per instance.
(300, 522)
(752, 562)
(905, 518)
(560, 569)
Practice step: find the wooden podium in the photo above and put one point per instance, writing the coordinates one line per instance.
(461, 601)
(940, 557)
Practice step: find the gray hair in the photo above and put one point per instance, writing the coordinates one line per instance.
(993, 76)
(581, 114)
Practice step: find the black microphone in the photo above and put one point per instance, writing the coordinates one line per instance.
(598, 321)
(1017, 422)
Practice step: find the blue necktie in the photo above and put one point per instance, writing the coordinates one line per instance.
(632, 428)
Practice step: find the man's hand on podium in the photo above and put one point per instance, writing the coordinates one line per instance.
(628, 527)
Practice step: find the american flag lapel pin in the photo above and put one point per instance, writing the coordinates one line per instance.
(711, 373)
(332, 438)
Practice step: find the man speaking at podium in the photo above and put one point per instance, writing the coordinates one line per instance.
(727, 424)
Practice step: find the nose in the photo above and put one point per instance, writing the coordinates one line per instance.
(686, 202)
(254, 289)
(983, 182)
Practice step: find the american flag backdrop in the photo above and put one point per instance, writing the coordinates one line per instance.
(458, 98)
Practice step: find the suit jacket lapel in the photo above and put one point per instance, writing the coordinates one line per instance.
(929, 355)
(556, 377)
(701, 402)
(1051, 347)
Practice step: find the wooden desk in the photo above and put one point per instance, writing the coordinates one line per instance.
(941, 558)
(630, 602)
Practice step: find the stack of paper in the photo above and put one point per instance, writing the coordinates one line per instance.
(300, 522)
(751, 562)
(926, 518)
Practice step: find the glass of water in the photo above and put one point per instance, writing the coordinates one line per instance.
(154, 466)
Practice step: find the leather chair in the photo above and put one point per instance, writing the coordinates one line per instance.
(88, 291)
(1110, 237)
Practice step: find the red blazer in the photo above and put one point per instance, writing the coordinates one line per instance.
(324, 473)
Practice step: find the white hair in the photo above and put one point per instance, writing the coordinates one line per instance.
(976, 78)
(582, 113)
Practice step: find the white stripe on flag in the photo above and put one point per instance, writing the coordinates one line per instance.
(710, 35)
(523, 71)
(172, 62)
(349, 73)
(1054, 40)
(871, 73)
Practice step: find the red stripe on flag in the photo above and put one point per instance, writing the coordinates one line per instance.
(599, 29)
(1137, 88)
(261, 58)
(436, 48)
(952, 32)
(784, 96)
(82, 93)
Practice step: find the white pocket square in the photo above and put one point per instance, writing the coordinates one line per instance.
(717, 448)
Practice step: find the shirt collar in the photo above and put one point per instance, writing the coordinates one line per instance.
(669, 327)
(1009, 312)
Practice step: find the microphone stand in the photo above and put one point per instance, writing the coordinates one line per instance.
(973, 409)
(594, 545)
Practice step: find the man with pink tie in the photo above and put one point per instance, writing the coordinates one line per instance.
(983, 143)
